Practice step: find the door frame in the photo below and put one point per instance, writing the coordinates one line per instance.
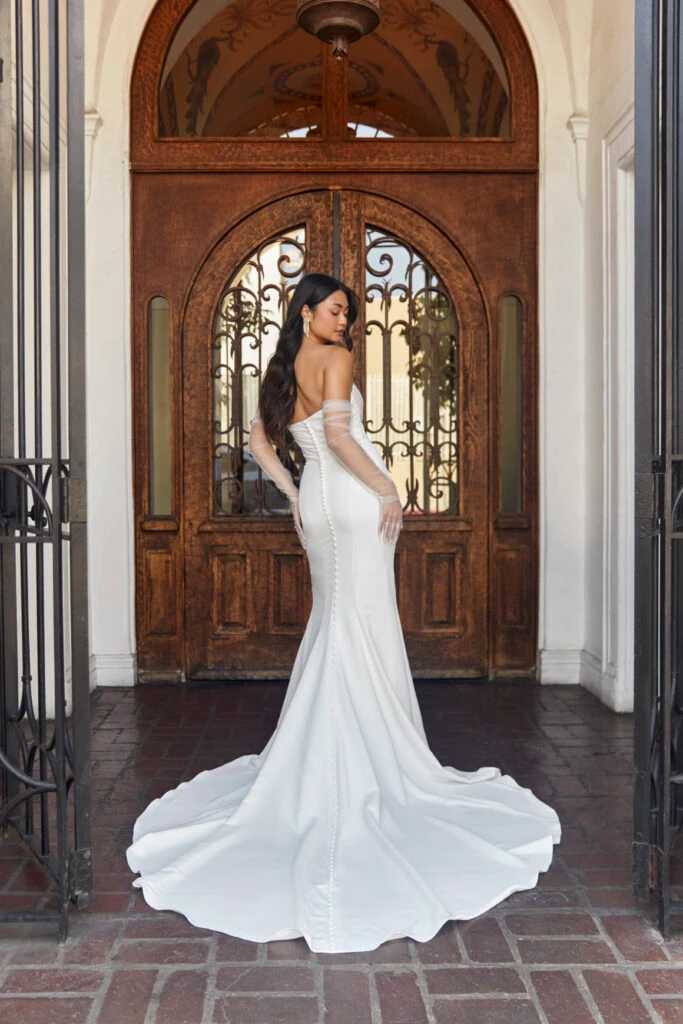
(333, 159)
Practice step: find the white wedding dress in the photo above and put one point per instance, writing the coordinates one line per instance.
(345, 830)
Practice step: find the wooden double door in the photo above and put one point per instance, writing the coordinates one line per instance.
(223, 585)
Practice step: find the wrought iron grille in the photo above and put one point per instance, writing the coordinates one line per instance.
(248, 322)
(658, 803)
(44, 678)
(411, 403)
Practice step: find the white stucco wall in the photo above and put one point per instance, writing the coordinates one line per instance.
(607, 657)
(113, 29)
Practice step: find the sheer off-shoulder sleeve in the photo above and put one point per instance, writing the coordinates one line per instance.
(337, 425)
(267, 458)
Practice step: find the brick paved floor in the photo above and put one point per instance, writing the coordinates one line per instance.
(573, 951)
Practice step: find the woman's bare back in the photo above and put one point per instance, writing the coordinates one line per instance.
(309, 370)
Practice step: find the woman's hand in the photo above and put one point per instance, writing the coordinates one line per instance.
(296, 516)
(391, 518)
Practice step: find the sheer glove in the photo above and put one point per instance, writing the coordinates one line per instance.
(266, 456)
(342, 444)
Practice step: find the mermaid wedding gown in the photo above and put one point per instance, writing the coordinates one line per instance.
(345, 829)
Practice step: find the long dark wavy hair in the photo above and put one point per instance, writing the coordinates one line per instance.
(277, 396)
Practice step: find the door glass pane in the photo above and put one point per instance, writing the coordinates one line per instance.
(159, 370)
(411, 399)
(238, 69)
(246, 330)
(511, 404)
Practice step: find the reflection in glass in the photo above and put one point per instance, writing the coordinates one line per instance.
(511, 405)
(159, 370)
(246, 330)
(245, 69)
(411, 403)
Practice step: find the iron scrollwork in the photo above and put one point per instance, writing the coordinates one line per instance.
(412, 373)
(27, 502)
(247, 326)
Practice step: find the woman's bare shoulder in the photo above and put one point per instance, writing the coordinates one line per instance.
(336, 355)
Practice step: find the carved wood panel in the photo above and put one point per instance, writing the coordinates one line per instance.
(229, 598)
(160, 588)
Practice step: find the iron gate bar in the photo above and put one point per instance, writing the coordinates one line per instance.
(8, 587)
(81, 866)
(44, 761)
(646, 295)
(38, 415)
(658, 795)
(56, 444)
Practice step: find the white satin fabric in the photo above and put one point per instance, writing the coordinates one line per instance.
(345, 829)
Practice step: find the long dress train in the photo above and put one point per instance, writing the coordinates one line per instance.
(345, 829)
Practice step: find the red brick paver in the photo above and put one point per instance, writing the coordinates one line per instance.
(560, 998)
(347, 997)
(266, 1010)
(486, 1011)
(575, 950)
(182, 998)
(616, 998)
(670, 1010)
(127, 997)
(400, 998)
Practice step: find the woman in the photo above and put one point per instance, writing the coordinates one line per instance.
(345, 829)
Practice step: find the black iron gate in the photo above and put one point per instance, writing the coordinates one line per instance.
(659, 449)
(44, 686)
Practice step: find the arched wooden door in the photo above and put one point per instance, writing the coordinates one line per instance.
(412, 170)
(421, 357)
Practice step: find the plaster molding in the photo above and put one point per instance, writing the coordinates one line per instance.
(604, 684)
(93, 123)
(622, 124)
(560, 667)
(112, 670)
(618, 422)
(578, 129)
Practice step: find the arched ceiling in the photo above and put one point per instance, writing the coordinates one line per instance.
(245, 68)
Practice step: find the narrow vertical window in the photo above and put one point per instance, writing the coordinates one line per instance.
(511, 405)
(159, 368)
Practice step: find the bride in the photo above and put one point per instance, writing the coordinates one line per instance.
(345, 829)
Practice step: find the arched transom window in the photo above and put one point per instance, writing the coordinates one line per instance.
(244, 69)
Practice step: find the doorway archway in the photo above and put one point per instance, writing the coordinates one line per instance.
(193, 198)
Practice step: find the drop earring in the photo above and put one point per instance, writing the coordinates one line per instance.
(306, 326)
